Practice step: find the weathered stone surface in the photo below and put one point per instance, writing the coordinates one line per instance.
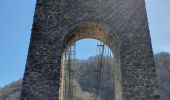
(121, 24)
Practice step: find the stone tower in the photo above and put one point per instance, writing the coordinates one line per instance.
(121, 24)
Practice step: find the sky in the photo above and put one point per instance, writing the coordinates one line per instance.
(159, 23)
(16, 17)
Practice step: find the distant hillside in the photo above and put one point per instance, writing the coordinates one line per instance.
(11, 91)
(162, 60)
(88, 78)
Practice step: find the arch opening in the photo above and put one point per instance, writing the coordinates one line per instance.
(102, 34)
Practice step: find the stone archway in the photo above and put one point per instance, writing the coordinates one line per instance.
(124, 29)
(103, 33)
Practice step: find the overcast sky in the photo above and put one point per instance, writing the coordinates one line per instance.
(15, 28)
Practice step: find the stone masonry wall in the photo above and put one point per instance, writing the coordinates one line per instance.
(55, 19)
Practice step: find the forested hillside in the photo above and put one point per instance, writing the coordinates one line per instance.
(162, 60)
(11, 91)
(88, 76)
